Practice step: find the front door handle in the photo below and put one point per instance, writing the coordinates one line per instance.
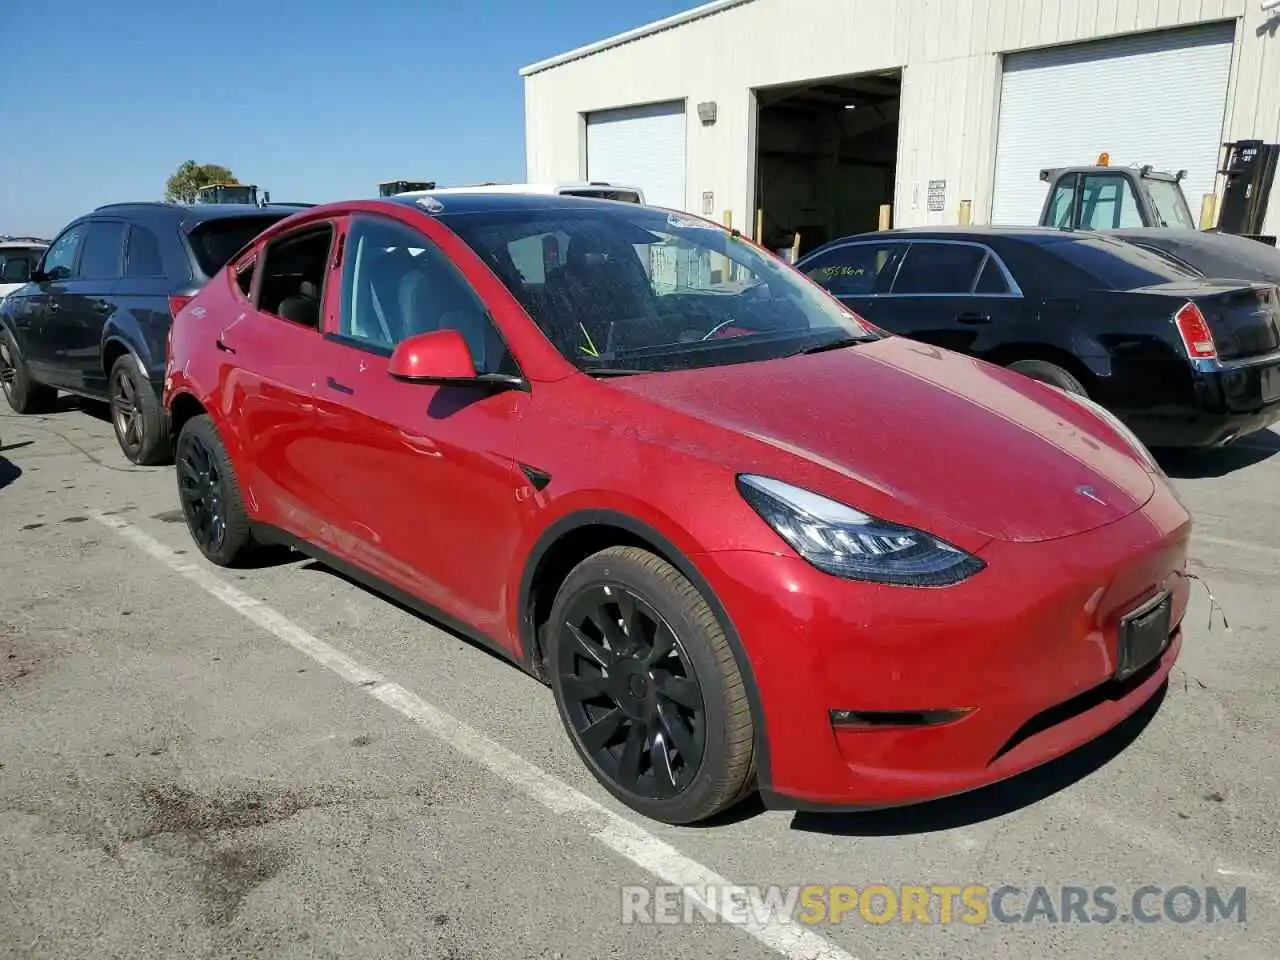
(340, 387)
(972, 318)
(54, 306)
(223, 347)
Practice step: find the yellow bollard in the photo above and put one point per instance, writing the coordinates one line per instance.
(966, 212)
(1208, 211)
(886, 216)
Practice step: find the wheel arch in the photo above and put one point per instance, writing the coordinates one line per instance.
(1086, 370)
(183, 406)
(576, 536)
(115, 347)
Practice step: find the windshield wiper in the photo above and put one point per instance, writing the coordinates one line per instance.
(836, 344)
(612, 371)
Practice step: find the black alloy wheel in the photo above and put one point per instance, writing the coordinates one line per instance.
(631, 693)
(648, 687)
(202, 489)
(210, 495)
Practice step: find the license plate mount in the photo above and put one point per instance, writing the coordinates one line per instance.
(1144, 635)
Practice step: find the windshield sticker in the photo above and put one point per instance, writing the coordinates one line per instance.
(430, 204)
(688, 223)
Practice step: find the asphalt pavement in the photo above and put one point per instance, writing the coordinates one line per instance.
(277, 763)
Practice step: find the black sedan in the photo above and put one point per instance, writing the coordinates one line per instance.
(1183, 360)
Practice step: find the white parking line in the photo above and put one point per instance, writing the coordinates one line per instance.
(617, 833)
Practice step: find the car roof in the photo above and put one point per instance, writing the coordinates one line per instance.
(1036, 235)
(454, 204)
(1032, 236)
(543, 187)
(194, 212)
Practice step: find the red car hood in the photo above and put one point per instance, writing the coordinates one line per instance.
(924, 430)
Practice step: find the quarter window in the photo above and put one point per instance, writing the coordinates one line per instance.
(939, 268)
(396, 284)
(991, 280)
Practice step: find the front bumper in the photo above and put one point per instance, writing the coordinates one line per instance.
(1027, 647)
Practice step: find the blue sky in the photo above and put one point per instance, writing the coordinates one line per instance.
(310, 99)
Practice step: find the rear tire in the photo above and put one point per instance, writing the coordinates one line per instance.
(210, 495)
(23, 393)
(1051, 374)
(136, 415)
(656, 709)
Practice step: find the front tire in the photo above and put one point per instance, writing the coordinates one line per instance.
(23, 394)
(210, 495)
(136, 414)
(648, 688)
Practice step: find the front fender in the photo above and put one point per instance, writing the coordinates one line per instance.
(666, 537)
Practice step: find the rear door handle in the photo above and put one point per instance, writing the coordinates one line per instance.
(340, 387)
(974, 318)
(223, 347)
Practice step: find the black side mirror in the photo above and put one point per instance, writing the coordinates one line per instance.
(16, 271)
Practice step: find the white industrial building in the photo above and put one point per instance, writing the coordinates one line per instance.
(813, 114)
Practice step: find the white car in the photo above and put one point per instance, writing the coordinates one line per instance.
(18, 259)
(598, 190)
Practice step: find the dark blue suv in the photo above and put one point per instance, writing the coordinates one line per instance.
(94, 318)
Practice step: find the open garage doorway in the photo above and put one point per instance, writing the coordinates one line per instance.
(826, 156)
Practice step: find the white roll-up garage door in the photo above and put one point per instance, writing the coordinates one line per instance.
(1154, 98)
(640, 147)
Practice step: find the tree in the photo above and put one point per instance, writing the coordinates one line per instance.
(187, 180)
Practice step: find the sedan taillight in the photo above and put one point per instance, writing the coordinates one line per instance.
(1195, 333)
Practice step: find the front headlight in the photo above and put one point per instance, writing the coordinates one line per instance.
(840, 540)
(1116, 424)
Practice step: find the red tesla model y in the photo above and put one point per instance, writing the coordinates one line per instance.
(751, 542)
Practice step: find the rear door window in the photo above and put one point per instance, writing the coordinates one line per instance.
(103, 251)
(939, 268)
(216, 241)
(142, 254)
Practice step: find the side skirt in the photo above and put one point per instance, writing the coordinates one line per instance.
(274, 536)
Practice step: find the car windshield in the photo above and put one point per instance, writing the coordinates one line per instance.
(1170, 205)
(31, 255)
(625, 288)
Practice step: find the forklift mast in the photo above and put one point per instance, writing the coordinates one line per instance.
(1250, 171)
